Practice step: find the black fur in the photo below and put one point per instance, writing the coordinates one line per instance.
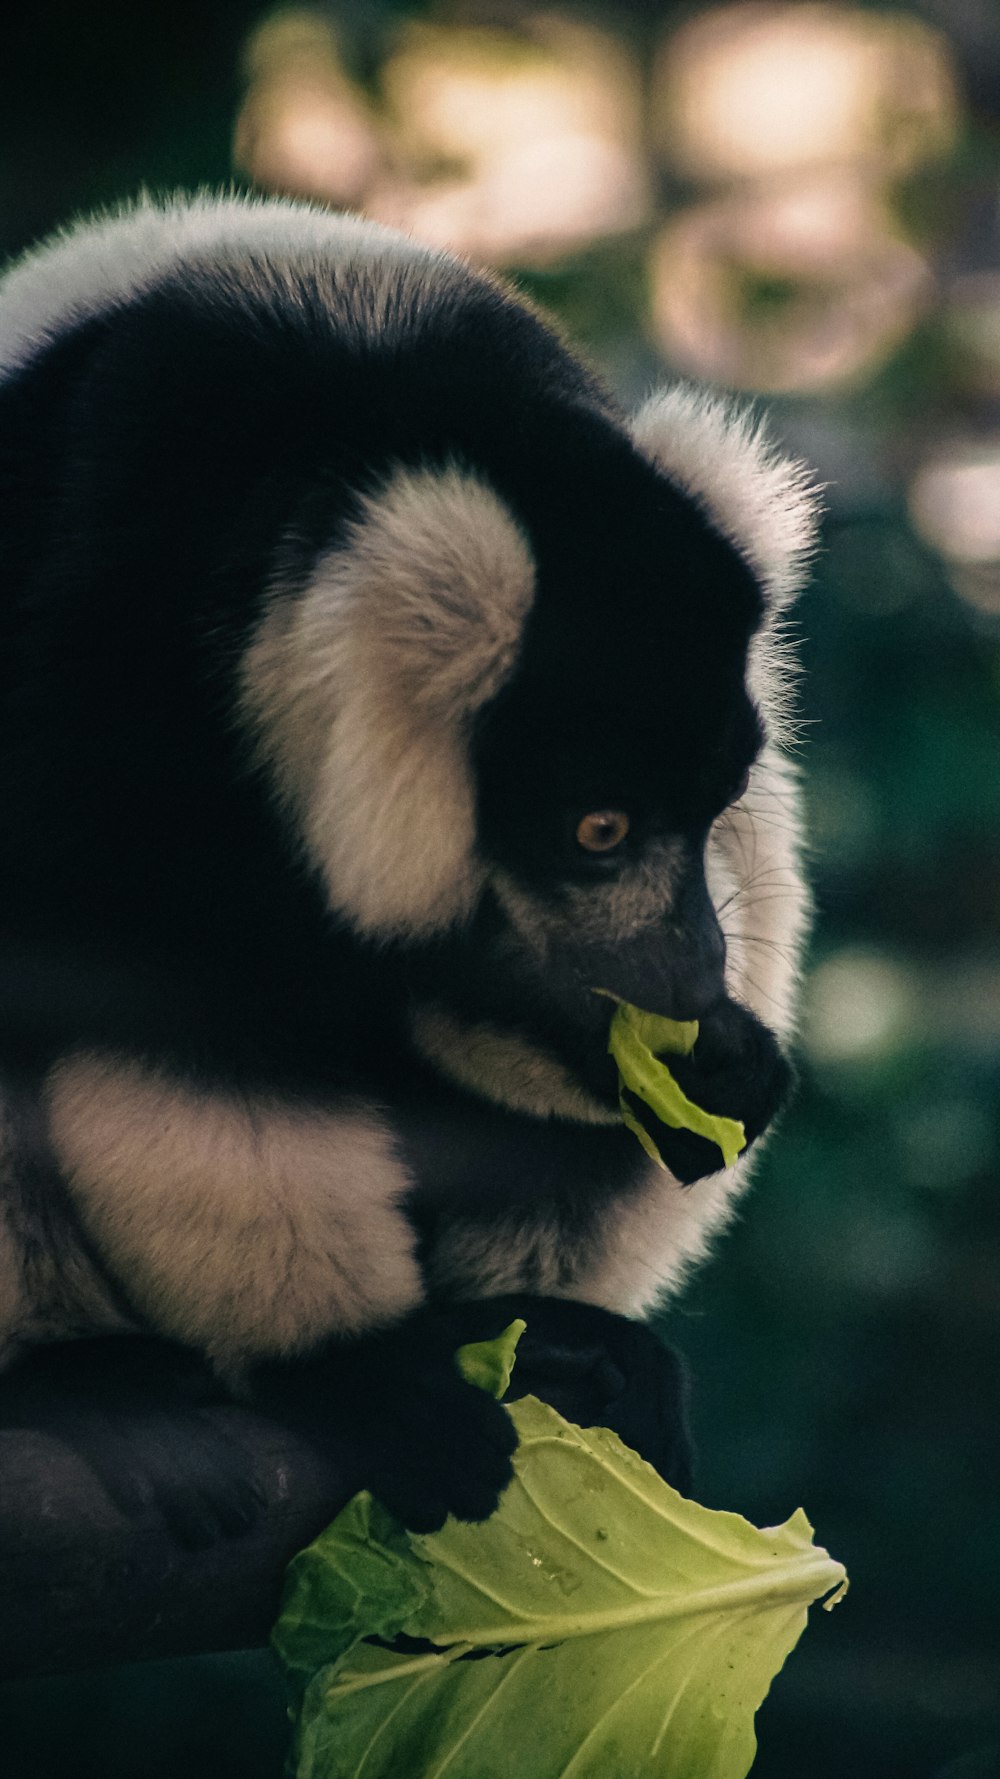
(427, 1443)
(137, 835)
(155, 463)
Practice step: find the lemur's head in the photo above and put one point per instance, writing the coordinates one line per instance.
(524, 707)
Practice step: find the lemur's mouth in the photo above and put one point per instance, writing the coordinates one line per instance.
(644, 1045)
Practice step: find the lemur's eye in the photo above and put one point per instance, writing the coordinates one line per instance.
(603, 830)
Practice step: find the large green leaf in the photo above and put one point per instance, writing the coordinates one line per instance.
(629, 1631)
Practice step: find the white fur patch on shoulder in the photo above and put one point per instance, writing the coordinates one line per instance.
(766, 504)
(103, 261)
(359, 690)
(246, 1226)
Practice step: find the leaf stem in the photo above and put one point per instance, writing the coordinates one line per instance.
(801, 1581)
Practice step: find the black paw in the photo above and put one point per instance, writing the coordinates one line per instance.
(132, 1409)
(736, 1070)
(397, 1417)
(598, 1369)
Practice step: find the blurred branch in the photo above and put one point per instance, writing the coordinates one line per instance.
(84, 1583)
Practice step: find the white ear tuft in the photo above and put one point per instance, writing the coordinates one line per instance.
(447, 579)
(766, 504)
(361, 686)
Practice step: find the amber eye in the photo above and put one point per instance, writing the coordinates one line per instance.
(603, 830)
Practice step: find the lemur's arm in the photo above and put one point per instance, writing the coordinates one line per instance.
(249, 1227)
(271, 1236)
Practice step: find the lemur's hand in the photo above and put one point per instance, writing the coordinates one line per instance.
(400, 1420)
(397, 1416)
(737, 1070)
(599, 1369)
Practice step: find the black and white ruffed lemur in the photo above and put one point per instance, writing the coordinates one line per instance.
(372, 690)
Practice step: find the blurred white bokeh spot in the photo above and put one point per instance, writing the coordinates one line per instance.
(859, 1004)
(747, 91)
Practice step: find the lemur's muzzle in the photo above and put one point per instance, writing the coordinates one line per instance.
(675, 967)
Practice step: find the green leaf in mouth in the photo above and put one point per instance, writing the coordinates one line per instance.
(637, 1040)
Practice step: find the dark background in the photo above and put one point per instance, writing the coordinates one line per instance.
(844, 1339)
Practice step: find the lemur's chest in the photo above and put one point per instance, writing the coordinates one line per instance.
(505, 1200)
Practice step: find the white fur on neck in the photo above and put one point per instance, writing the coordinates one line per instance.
(754, 872)
(655, 1238)
(504, 1067)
